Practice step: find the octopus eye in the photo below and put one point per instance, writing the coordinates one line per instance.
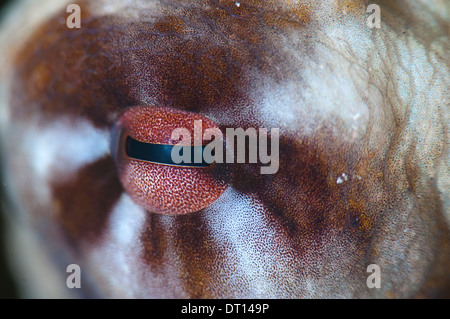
(144, 143)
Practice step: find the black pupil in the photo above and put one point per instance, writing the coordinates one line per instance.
(162, 153)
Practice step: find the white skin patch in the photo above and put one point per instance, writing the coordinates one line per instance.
(117, 257)
(129, 8)
(323, 87)
(229, 219)
(117, 260)
(64, 147)
(57, 151)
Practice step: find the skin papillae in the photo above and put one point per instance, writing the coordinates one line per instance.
(364, 164)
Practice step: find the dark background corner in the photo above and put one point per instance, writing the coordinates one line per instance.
(8, 288)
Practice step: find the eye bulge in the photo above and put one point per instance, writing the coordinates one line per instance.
(154, 180)
(355, 170)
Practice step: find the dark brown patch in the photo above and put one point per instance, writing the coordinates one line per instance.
(154, 241)
(201, 263)
(304, 193)
(199, 63)
(192, 63)
(197, 252)
(437, 283)
(70, 71)
(85, 203)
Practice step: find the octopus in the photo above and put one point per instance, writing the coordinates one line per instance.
(362, 182)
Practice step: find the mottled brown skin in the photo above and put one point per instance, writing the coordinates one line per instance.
(206, 58)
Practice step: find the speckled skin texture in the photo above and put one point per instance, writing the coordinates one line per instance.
(363, 117)
(166, 189)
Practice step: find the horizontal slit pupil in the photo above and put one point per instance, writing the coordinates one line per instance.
(161, 153)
